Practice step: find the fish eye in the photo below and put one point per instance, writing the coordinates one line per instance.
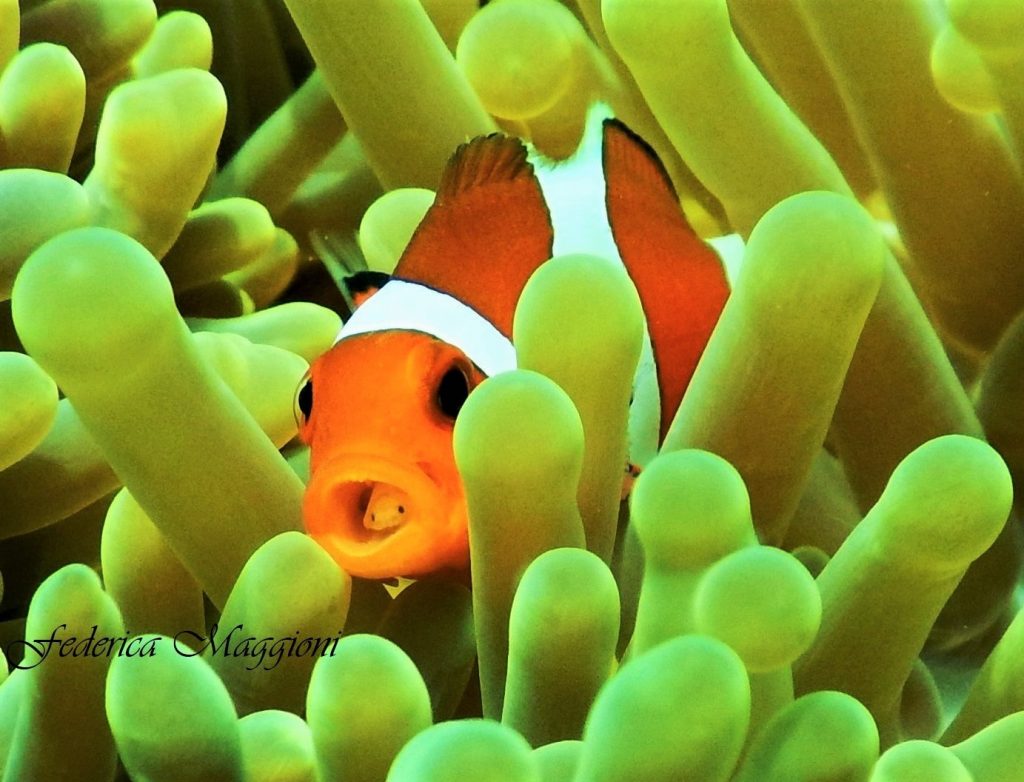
(452, 392)
(304, 400)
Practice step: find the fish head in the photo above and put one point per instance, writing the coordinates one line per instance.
(384, 496)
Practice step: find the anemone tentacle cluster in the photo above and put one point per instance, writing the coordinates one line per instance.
(816, 578)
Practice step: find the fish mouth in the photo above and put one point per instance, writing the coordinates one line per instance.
(379, 518)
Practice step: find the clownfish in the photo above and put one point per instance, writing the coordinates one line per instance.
(378, 409)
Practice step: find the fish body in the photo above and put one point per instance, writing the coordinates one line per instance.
(384, 497)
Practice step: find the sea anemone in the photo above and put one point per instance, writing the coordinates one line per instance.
(815, 578)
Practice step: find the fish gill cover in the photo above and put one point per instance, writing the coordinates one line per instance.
(817, 575)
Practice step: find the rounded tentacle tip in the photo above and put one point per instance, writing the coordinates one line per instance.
(66, 293)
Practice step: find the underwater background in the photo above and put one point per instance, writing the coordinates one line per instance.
(816, 579)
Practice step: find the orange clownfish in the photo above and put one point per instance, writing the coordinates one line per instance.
(378, 409)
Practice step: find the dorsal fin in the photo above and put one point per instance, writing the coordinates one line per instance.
(680, 279)
(484, 160)
(487, 231)
(633, 157)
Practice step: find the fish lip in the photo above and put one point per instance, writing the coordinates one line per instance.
(357, 466)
